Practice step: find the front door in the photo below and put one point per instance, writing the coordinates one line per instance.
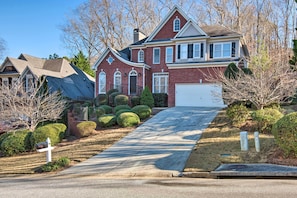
(133, 81)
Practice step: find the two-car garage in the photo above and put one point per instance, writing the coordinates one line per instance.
(198, 94)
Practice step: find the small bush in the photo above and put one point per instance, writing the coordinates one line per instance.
(135, 100)
(107, 108)
(119, 112)
(146, 97)
(128, 119)
(120, 107)
(112, 97)
(44, 132)
(285, 133)
(265, 118)
(86, 128)
(101, 99)
(121, 100)
(15, 143)
(143, 111)
(99, 111)
(238, 113)
(107, 120)
(160, 99)
(53, 166)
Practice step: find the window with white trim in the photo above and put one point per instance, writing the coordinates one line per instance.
(29, 82)
(140, 56)
(169, 54)
(190, 51)
(102, 82)
(117, 81)
(222, 50)
(176, 24)
(160, 83)
(5, 82)
(156, 55)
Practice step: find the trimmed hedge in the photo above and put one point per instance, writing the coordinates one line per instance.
(128, 119)
(160, 99)
(285, 134)
(135, 100)
(101, 99)
(238, 113)
(122, 111)
(53, 131)
(107, 120)
(266, 118)
(120, 107)
(86, 128)
(112, 98)
(15, 142)
(107, 108)
(121, 100)
(143, 111)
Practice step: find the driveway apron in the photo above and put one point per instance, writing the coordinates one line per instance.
(158, 148)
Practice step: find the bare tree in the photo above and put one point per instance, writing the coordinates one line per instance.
(271, 82)
(28, 106)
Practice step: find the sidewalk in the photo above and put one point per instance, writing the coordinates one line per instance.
(158, 148)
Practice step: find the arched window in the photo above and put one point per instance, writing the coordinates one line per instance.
(132, 82)
(176, 24)
(117, 81)
(102, 83)
(140, 56)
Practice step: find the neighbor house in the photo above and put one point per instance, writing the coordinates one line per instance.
(60, 75)
(172, 60)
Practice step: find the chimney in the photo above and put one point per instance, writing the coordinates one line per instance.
(137, 35)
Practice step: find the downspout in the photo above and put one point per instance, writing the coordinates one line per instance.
(143, 76)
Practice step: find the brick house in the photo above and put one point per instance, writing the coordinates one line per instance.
(172, 60)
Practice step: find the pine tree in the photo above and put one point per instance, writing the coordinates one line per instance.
(82, 62)
(147, 98)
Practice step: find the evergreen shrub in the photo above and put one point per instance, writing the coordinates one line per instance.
(86, 128)
(265, 118)
(146, 97)
(128, 119)
(121, 99)
(143, 111)
(107, 120)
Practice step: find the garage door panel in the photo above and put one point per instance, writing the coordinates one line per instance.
(203, 95)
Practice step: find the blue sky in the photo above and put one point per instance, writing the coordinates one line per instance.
(32, 26)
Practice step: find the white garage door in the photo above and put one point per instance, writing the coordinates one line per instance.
(200, 95)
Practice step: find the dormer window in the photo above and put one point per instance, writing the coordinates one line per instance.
(176, 24)
(140, 56)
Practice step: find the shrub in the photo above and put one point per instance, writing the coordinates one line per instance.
(53, 166)
(101, 99)
(15, 143)
(122, 111)
(238, 113)
(285, 133)
(121, 100)
(99, 111)
(128, 119)
(44, 132)
(265, 118)
(120, 107)
(231, 71)
(160, 99)
(107, 108)
(112, 97)
(61, 129)
(135, 100)
(146, 97)
(107, 120)
(143, 111)
(86, 128)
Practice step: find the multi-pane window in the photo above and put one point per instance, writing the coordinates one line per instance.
(176, 25)
(5, 82)
(156, 56)
(222, 50)
(160, 83)
(102, 83)
(29, 82)
(169, 54)
(117, 78)
(140, 56)
(190, 50)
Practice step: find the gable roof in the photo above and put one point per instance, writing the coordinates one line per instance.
(165, 19)
(190, 29)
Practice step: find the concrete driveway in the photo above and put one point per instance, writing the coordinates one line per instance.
(159, 147)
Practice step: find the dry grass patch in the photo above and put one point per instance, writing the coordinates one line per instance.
(220, 143)
(77, 150)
